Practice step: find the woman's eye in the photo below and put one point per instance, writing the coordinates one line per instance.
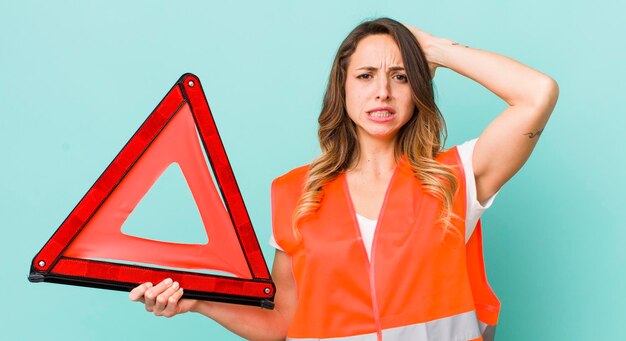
(364, 76)
(403, 78)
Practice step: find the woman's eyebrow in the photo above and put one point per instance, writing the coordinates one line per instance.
(371, 68)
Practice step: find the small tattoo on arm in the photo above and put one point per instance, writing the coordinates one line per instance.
(535, 134)
(455, 43)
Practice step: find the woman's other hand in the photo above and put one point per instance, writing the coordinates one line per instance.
(425, 40)
(163, 299)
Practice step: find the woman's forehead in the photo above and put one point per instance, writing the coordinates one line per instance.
(377, 51)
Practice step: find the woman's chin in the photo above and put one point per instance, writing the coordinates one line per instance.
(382, 135)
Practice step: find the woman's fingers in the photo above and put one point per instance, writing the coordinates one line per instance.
(151, 294)
(172, 304)
(423, 37)
(163, 299)
(137, 293)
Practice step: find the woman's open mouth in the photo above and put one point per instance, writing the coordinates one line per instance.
(381, 114)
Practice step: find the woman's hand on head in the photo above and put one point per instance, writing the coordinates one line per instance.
(163, 299)
(425, 40)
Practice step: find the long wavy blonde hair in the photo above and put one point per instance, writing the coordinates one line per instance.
(420, 139)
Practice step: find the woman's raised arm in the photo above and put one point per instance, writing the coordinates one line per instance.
(507, 142)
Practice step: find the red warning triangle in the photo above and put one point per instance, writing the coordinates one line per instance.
(85, 247)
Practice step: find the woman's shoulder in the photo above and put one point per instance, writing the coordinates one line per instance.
(296, 176)
(287, 188)
(458, 153)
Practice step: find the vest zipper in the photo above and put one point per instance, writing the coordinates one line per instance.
(370, 263)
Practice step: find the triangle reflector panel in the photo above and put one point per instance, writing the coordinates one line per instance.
(84, 249)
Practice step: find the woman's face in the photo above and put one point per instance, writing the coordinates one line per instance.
(378, 94)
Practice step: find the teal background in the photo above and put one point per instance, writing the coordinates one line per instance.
(77, 78)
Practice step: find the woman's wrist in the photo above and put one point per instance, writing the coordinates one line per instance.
(436, 50)
(439, 50)
(202, 307)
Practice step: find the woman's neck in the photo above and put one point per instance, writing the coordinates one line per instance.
(376, 158)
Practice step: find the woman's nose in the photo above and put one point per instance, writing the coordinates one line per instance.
(382, 88)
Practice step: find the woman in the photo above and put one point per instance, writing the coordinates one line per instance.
(371, 236)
